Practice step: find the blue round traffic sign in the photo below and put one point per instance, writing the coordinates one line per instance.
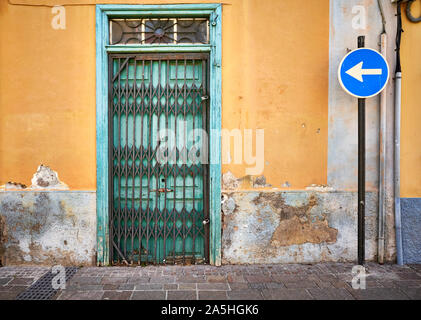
(363, 73)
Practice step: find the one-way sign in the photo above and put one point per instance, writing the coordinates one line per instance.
(363, 73)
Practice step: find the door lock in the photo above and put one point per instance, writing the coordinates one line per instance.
(162, 190)
(206, 221)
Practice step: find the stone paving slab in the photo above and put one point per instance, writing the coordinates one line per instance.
(327, 281)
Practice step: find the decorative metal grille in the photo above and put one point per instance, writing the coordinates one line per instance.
(43, 289)
(159, 31)
(158, 210)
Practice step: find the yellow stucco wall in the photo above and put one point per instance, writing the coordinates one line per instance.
(275, 77)
(411, 107)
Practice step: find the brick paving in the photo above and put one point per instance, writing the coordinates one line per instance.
(327, 281)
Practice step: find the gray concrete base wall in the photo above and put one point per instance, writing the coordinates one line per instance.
(48, 227)
(59, 227)
(295, 227)
(411, 229)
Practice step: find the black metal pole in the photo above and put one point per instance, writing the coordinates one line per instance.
(361, 172)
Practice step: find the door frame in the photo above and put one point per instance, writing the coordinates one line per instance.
(103, 13)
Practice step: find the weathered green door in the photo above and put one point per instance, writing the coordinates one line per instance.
(158, 158)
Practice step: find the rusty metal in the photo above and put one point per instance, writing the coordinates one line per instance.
(146, 223)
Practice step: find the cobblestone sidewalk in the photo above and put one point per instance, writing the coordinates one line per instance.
(252, 282)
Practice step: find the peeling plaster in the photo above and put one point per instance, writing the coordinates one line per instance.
(319, 188)
(260, 182)
(299, 231)
(14, 186)
(286, 185)
(3, 238)
(43, 179)
(229, 181)
(295, 227)
(227, 204)
(49, 227)
(46, 178)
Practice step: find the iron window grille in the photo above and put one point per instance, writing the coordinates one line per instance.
(158, 31)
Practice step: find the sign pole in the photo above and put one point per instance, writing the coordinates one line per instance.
(362, 73)
(361, 172)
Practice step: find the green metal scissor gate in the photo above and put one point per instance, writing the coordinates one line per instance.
(158, 158)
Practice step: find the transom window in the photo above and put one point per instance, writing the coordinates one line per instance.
(159, 31)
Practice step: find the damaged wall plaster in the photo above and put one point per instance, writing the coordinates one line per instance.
(46, 227)
(294, 227)
(46, 178)
(3, 239)
(49, 228)
(14, 186)
(231, 182)
(260, 182)
(43, 179)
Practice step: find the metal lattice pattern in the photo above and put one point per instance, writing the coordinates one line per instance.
(159, 31)
(158, 193)
(42, 289)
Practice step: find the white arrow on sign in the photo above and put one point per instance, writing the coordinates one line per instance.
(357, 72)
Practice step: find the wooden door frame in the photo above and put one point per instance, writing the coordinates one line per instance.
(103, 14)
